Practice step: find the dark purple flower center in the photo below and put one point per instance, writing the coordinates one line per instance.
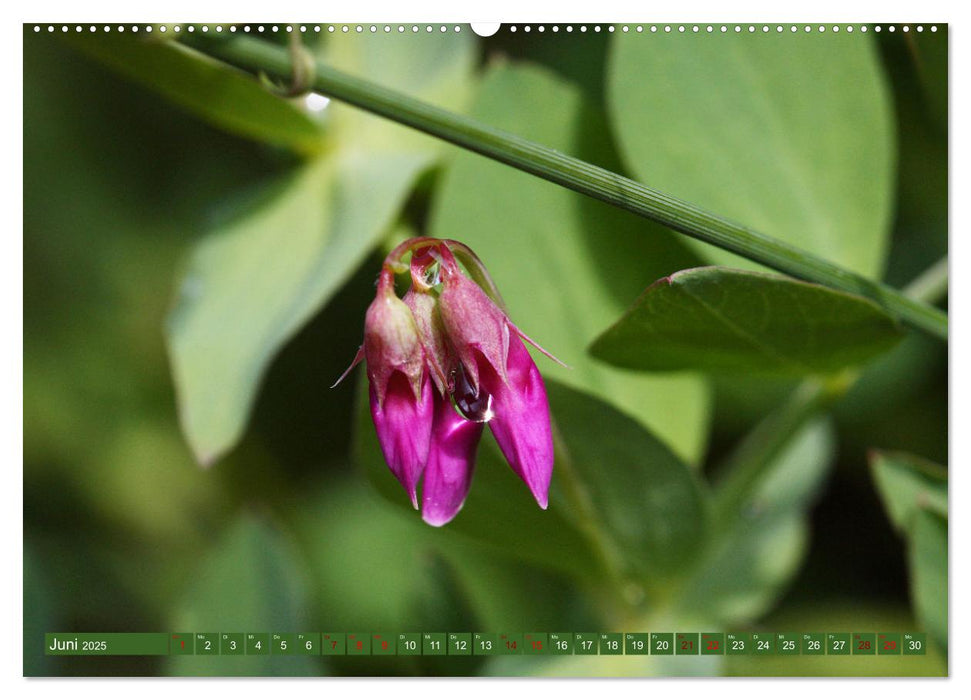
(476, 406)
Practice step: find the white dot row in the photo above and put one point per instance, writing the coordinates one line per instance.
(723, 28)
(258, 29)
(414, 28)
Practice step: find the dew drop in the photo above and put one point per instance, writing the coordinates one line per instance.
(433, 276)
(475, 406)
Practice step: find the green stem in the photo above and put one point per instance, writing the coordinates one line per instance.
(254, 55)
(930, 286)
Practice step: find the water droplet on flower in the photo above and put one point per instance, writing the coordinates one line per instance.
(475, 406)
(433, 275)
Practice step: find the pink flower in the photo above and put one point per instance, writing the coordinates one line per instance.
(400, 391)
(441, 365)
(499, 368)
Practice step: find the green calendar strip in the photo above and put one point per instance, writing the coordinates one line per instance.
(108, 644)
(893, 644)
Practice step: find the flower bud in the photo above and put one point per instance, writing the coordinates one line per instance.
(400, 394)
(474, 325)
(391, 342)
(424, 310)
(503, 377)
(460, 342)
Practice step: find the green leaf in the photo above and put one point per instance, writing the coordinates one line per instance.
(721, 320)
(436, 68)
(646, 500)
(252, 582)
(789, 134)
(907, 484)
(749, 565)
(252, 285)
(928, 573)
(563, 262)
(650, 503)
(254, 282)
(914, 493)
(219, 94)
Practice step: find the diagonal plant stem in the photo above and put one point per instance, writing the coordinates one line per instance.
(256, 56)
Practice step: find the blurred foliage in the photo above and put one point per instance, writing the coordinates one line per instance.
(284, 258)
(914, 492)
(752, 559)
(192, 242)
(217, 93)
(789, 134)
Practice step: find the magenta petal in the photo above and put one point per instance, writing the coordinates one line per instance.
(404, 428)
(451, 460)
(521, 424)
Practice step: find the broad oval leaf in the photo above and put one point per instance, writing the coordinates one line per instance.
(646, 500)
(254, 282)
(789, 134)
(651, 504)
(220, 94)
(722, 320)
(563, 262)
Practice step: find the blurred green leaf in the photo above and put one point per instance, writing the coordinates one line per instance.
(220, 94)
(907, 484)
(367, 559)
(563, 262)
(651, 504)
(914, 493)
(719, 319)
(790, 134)
(748, 567)
(252, 582)
(250, 286)
(256, 281)
(437, 68)
(928, 571)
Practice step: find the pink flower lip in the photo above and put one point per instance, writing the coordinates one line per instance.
(451, 462)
